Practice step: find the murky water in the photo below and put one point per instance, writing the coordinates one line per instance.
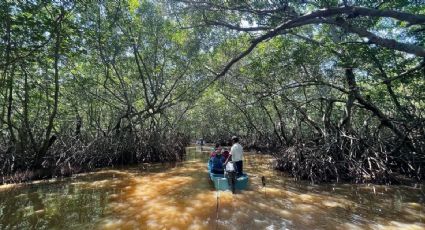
(180, 196)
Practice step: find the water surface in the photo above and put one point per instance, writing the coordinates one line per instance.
(180, 196)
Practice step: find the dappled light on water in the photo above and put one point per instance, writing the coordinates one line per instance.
(180, 196)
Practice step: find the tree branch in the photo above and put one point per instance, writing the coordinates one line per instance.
(388, 43)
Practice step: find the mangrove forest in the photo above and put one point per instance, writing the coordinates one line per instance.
(109, 110)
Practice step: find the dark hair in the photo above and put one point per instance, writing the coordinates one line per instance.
(235, 139)
(217, 145)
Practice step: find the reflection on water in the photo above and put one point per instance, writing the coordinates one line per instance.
(180, 196)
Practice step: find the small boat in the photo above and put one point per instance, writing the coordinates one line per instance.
(221, 183)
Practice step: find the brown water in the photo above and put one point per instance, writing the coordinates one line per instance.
(180, 196)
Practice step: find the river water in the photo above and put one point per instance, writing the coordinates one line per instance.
(180, 196)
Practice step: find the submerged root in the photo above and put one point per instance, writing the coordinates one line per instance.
(70, 155)
(343, 158)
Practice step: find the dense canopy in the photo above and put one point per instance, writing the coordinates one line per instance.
(335, 89)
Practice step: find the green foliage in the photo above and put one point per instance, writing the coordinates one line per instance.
(154, 67)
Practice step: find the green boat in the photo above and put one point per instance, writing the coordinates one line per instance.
(221, 182)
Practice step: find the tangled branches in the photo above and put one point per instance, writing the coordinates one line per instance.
(351, 158)
(71, 155)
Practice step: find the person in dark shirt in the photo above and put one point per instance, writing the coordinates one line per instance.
(225, 153)
(217, 163)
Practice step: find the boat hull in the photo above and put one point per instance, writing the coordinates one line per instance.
(221, 183)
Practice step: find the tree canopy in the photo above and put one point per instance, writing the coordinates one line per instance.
(334, 88)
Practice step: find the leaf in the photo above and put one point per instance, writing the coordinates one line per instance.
(133, 5)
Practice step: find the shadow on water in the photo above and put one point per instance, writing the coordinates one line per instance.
(180, 196)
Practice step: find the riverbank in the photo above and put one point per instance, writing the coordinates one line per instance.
(69, 156)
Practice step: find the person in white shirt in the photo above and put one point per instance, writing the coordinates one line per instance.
(237, 155)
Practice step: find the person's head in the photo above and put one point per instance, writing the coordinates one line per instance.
(218, 149)
(217, 145)
(235, 139)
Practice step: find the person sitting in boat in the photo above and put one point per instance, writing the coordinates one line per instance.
(217, 163)
(225, 153)
(214, 150)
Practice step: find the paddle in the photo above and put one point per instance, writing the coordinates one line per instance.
(263, 181)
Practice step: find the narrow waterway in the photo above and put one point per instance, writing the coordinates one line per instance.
(180, 196)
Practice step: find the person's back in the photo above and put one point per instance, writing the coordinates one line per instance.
(237, 152)
(237, 155)
(217, 164)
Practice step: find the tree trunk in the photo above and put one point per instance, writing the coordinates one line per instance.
(346, 121)
(326, 119)
(385, 121)
(26, 127)
(9, 106)
(48, 139)
(273, 123)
